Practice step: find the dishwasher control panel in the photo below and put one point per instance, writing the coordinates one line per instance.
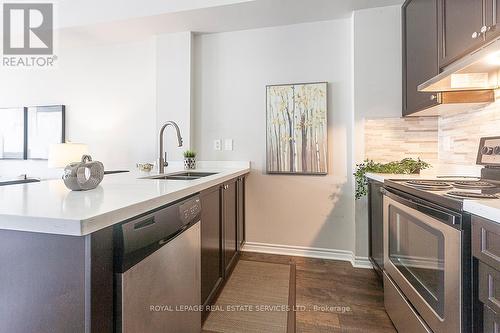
(148, 232)
(189, 211)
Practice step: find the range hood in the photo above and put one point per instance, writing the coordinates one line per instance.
(477, 71)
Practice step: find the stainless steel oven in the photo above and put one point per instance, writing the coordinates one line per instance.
(423, 264)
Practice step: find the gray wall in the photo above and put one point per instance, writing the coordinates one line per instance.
(114, 114)
(377, 86)
(231, 72)
(360, 58)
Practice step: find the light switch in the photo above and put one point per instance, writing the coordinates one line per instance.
(218, 144)
(228, 144)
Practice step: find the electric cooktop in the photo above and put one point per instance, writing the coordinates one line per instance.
(450, 192)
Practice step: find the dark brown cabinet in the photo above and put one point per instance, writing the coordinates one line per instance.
(222, 235)
(491, 320)
(461, 22)
(229, 222)
(376, 225)
(240, 185)
(465, 26)
(486, 275)
(492, 18)
(437, 33)
(420, 60)
(56, 283)
(211, 247)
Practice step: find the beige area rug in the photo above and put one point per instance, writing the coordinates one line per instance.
(255, 299)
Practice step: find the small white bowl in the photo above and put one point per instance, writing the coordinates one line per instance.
(145, 167)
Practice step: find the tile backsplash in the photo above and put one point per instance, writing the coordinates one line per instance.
(391, 139)
(452, 138)
(459, 133)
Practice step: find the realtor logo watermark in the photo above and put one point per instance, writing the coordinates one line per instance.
(28, 35)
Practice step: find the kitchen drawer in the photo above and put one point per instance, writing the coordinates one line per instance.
(402, 314)
(486, 241)
(491, 321)
(489, 286)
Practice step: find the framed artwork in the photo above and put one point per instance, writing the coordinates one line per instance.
(27, 132)
(296, 128)
(45, 126)
(12, 133)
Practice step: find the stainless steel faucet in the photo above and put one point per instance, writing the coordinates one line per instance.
(162, 160)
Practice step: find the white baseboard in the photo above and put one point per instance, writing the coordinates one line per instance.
(308, 252)
(361, 262)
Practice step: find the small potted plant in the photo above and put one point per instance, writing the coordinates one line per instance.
(189, 159)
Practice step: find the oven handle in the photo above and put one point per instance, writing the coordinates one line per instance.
(441, 214)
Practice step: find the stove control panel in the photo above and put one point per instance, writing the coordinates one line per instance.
(489, 151)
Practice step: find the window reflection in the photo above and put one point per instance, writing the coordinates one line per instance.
(12, 133)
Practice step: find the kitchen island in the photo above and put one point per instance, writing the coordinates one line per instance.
(57, 248)
(49, 207)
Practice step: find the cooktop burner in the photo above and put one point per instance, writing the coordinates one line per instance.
(470, 195)
(430, 185)
(472, 184)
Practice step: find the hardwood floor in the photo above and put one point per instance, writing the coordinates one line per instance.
(332, 296)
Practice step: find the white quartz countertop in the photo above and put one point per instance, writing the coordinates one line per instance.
(49, 207)
(488, 209)
(381, 177)
(438, 171)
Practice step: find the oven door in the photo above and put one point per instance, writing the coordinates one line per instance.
(422, 255)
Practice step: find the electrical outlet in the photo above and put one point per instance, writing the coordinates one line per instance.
(228, 144)
(218, 144)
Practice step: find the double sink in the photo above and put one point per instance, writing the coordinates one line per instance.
(183, 176)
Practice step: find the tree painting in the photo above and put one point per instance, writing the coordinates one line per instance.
(297, 128)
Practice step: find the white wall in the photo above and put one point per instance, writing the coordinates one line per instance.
(74, 13)
(377, 85)
(109, 92)
(231, 72)
(173, 89)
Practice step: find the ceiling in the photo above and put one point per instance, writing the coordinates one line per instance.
(79, 20)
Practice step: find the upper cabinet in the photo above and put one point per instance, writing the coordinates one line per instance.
(420, 62)
(460, 23)
(437, 35)
(492, 18)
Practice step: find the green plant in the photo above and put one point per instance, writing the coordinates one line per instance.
(189, 154)
(405, 166)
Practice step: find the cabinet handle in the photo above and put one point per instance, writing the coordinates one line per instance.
(485, 28)
(226, 187)
(475, 34)
(433, 97)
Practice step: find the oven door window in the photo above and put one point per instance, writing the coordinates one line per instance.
(417, 251)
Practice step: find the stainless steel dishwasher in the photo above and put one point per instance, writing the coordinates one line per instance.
(157, 264)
